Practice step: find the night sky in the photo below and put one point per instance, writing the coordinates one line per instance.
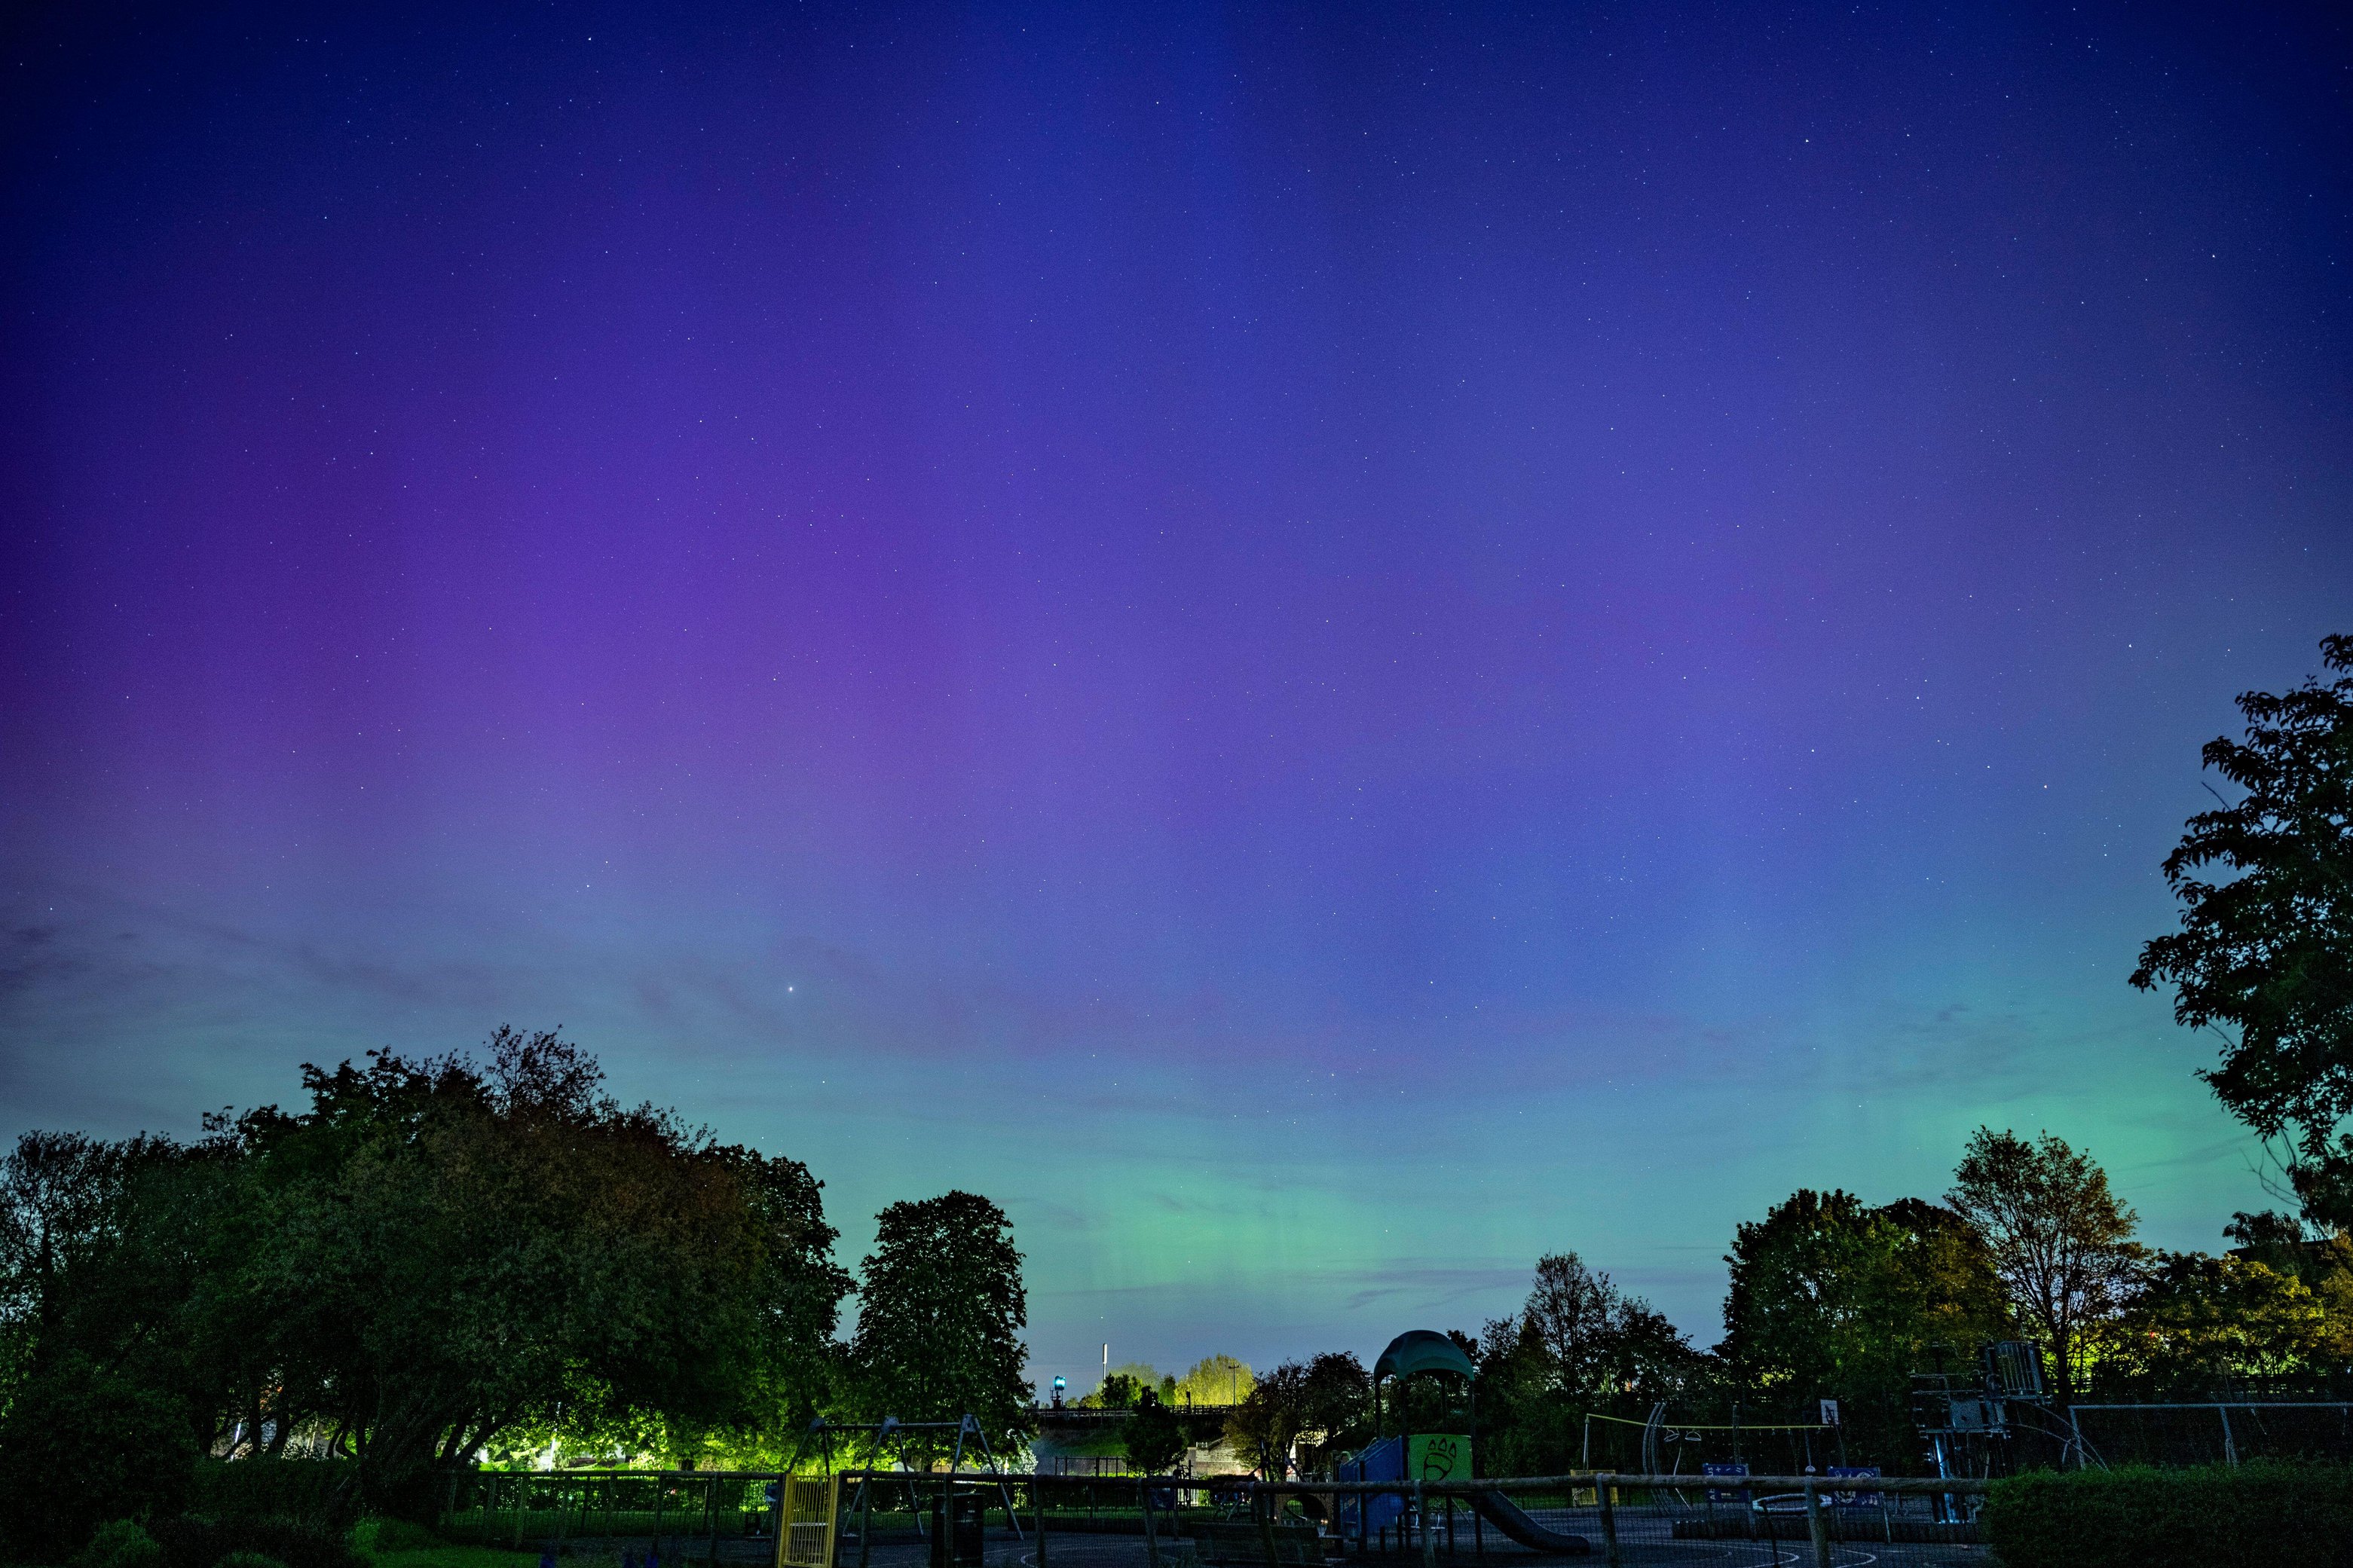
(1323, 648)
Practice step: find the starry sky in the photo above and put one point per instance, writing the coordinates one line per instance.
(1324, 648)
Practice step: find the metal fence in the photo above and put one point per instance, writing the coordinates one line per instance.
(1724, 1522)
(1763, 1521)
(681, 1516)
(2213, 1433)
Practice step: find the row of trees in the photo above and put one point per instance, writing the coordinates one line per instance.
(1833, 1298)
(1213, 1380)
(439, 1258)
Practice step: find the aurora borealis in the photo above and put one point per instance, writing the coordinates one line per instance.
(1324, 648)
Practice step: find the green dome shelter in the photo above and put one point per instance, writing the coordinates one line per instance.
(1424, 1353)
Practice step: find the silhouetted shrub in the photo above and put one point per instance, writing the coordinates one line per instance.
(192, 1541)
(124, 1544)
(392, 1535)
(2267, 1513)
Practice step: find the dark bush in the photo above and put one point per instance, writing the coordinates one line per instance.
(82, 1444)
(193, 1541)
(2266, 1514)
(248, 1559)
(392, 1535)
(306, 1489)
(121, 1545)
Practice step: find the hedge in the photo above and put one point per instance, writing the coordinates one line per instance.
(2277, 1514)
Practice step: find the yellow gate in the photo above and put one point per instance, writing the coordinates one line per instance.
(805, 1534)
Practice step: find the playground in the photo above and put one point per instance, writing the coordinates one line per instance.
(933, 1495)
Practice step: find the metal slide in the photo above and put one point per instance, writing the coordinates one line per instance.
(1512, 1520)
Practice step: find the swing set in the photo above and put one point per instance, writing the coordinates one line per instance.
(812, 1511)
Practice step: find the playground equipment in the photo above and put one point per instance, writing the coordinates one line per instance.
(1435, 1463)
(953, 1522)
(1986, 1422)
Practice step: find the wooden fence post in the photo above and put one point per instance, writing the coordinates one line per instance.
(1816, 1525)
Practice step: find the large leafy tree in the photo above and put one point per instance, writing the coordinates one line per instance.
(2201, 1322)
(433, 1255)
(2265, 954)
(1338, 1397)
(1831, 1297)
(1579, 1343)
(1264, 1428)
(1152, 1436)
(451, 1253)
(940, 1311)
(99, 1286)
(1600, 1346)
(2060, 1239)
(1215, 1379)
(1326, 1401)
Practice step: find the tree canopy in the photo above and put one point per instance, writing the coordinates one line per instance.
(1833, 1298)
(941, 1314)
(1152, 1436)
(1579, 1343)
(1217, 1379)
(431, 1256)
(2265, 951)
(2059, 1239)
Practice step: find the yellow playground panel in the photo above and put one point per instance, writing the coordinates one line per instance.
(805, 1534)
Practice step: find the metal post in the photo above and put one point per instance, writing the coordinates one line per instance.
(1038, 1502)
(1607, 1506)
(866, 1517)
(2230, 1448)
(1151, 1539)
(1816, 1525)
(1004, 1488)
(661, 1496)
(1263, 1506)
(1421, 1521)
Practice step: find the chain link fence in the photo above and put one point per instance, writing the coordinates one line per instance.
(2211, 1433)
